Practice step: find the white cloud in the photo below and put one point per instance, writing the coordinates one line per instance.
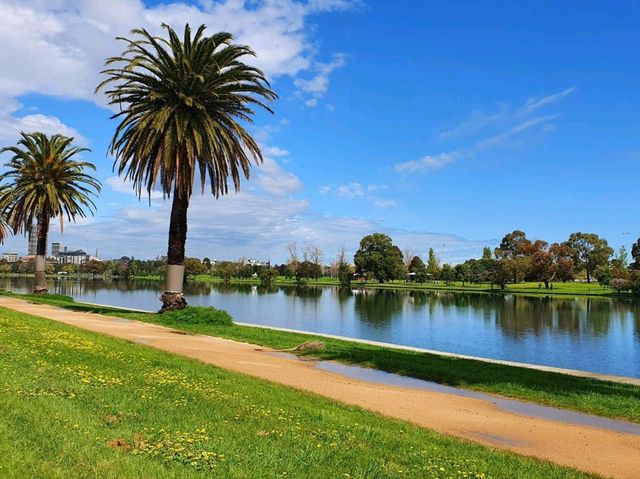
(329, 5)
(502, 137)
(318, 85)
(350, 190)
(247, 224)
(58, 48)
(533, 104)
(273, 179)
(11, 124)
(500, 125)
(505, 115)
(375, 187)
(120, 185)
(274, 151)
(355, 189)
(383, 202)
(476, 122)
(429, 162)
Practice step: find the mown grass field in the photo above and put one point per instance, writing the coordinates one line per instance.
(592, 396)
(74, 404)
(570, 288)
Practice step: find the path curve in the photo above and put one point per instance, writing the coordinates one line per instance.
(608, 453)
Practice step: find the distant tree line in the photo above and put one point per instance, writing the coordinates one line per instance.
(583, 256)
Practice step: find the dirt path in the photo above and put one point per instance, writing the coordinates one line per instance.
(589, 449)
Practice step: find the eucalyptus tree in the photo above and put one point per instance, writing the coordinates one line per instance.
(180, 104)
(379, 257)
(589, 252)
(46, 181)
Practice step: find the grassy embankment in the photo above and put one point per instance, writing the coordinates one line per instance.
(571, 288)
(75, 404)
(582, 394)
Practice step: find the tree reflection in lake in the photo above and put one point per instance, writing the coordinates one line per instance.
(377, 307)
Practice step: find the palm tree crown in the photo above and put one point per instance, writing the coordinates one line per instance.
(181, 102)
(46, 181)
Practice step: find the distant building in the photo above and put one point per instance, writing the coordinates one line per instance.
(10, 257)
(73, 257)
(57, 248)
(257, 262)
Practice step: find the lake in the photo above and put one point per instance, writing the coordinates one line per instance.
(592, 334)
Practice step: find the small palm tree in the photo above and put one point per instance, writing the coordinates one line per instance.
(46, 182)
(181, 100)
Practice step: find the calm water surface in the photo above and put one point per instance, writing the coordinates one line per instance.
(591, 334)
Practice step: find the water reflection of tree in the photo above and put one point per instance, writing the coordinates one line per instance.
(521, 315)
(342, 295)
(264, 289)
(378, 307)
(419, 299)
(224, 288)
(480, 305)
(311, 293)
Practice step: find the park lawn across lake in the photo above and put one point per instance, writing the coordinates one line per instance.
(570, 288)
(75, 404)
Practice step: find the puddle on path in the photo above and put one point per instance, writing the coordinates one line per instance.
(510, 405)
(502, 440)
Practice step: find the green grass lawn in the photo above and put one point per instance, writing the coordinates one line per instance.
(75, 404)
(582, 394)
(570, 288)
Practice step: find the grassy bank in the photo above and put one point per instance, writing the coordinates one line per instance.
(582, 394)
(561, 289)
(75, 404)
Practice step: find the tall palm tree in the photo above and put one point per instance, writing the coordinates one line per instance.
(180, 103)
(46, 182)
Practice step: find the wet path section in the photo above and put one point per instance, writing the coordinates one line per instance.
(504, 404)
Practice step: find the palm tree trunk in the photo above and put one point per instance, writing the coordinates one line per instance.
(172, 298)
(40, 286)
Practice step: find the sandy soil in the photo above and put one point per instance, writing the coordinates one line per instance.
(608, 453)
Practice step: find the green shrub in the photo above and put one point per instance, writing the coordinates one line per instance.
(197, 315)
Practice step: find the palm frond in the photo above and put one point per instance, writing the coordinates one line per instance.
(181, 100)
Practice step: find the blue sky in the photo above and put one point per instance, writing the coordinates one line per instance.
(444, 124)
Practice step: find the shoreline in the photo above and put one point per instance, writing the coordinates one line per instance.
(536, 367)
(519, 289)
